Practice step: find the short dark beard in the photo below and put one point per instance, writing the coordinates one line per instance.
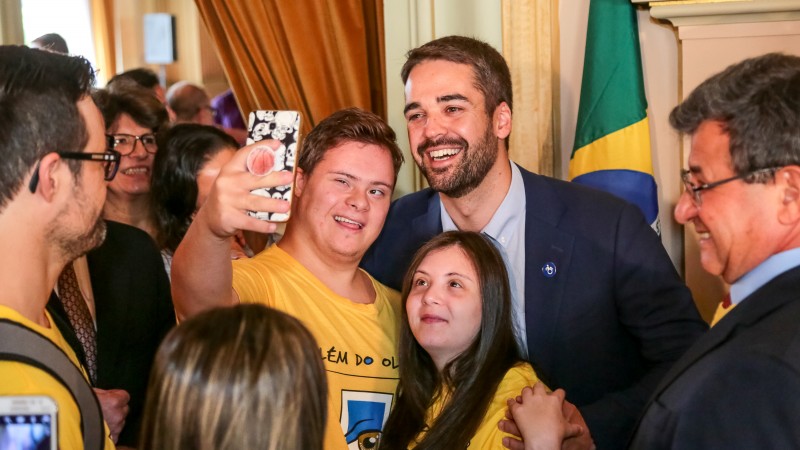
(470, 172)
(77, 246)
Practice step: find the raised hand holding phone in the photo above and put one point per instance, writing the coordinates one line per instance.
(228, 208)
(200, 283)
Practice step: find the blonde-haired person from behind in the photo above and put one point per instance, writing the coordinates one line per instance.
(244, 377)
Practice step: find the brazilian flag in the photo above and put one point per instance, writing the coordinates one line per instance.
(612, 138)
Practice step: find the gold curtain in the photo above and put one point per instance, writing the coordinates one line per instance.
(11, 32)
(307, 55)
(103, 34)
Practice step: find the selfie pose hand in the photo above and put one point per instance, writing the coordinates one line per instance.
(225, 211)
(204, 283)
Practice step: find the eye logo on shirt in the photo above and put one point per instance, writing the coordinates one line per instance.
(363, 416)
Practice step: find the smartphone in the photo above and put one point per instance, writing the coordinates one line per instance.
(283, 126)
(28, 422)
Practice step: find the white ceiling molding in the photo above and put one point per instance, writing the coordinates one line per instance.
(712, 12)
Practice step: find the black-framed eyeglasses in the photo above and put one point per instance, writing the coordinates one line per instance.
(126, 143)
(109, 158)
(695, 191)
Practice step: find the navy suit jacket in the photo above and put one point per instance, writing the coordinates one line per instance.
(133, 310)
(612, 320)
(737, 387)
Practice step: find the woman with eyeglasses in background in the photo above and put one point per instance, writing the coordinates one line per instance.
(133, 116)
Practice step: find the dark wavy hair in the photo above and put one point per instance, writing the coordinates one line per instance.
(39, 92)
(142, 76)
(182, 151)
(492, 77)
(471, 378)
(758, 102)
(240, 377)
(139, 103)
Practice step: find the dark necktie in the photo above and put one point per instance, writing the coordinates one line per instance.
(79, 316)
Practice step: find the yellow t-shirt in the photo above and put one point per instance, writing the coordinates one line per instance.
(358, 342)
(488, 435)
(21, 379)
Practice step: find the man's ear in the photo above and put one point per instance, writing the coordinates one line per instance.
(299, 182)
(48, 172)
(501, 121)
(788, 182)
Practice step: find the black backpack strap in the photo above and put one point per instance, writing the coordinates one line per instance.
(21, 344)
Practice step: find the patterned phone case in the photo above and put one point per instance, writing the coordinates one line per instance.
(283, 126)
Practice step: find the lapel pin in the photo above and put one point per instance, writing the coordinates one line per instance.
(549, 270)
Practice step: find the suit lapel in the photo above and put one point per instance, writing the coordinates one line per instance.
(547, 248)
(429, 224)
(752, 309)
(707, 342)
(110, 281)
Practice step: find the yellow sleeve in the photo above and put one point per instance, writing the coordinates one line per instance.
(22, 379)
(249, 282)
(489, 435)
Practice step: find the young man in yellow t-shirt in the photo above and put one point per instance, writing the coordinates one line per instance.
(52, 190)
(346, 172)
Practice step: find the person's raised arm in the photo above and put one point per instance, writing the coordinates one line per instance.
(201, 268)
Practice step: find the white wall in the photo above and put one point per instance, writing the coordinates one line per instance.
(411, 23)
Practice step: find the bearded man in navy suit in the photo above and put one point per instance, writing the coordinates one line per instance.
(598, 306)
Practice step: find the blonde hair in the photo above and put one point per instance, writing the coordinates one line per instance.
(244, 377)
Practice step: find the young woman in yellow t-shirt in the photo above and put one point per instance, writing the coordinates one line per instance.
(459, 361)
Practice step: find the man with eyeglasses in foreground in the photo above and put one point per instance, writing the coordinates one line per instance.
(126, 294)
(121, 306)
(738, 386)
(53, 185)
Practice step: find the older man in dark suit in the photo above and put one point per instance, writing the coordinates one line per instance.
(739, 385)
